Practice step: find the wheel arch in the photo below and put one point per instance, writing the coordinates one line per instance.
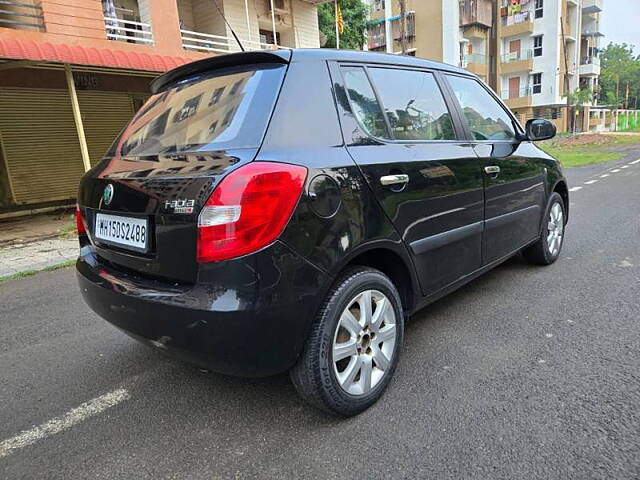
(563, 190)
(394, 264)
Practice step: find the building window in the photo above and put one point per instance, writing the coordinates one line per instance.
(215, 97)
(539, 8)
(236, 87)
(537, 46)
(537, 83)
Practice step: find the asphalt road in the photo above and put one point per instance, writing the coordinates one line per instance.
(527, 372)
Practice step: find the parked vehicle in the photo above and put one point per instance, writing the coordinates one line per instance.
(283, 211)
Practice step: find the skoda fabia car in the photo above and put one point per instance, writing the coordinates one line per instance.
(283, 211)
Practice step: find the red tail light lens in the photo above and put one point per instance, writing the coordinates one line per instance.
(80, 222)
(248, 210)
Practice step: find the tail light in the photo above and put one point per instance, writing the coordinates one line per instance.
(82, 230)
(248, 210)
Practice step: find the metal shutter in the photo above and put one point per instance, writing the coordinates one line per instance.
(40, 144)
(104, 115)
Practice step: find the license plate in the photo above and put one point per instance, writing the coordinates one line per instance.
(128, 232)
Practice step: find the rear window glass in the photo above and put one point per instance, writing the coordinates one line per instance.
(364, 102)
(414, 104)
(230, 109)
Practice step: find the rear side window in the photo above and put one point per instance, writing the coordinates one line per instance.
(363, 102)
(486, 117)
(228, 109)
(414, 104)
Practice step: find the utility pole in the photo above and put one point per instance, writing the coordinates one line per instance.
(403, 26)
(388, 29)
(567, 81)
(626, 98)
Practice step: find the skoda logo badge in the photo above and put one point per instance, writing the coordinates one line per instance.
(107, 195)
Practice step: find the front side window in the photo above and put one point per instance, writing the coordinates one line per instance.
(363, 102)
(485, 116)
(414, 104)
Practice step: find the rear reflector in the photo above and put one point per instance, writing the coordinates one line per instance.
(248, 210)
(81, 229)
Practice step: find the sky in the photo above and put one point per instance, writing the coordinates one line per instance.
(620, 22)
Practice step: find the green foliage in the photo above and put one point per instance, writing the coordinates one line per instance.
(354, 13)
(580, 97)
(619, 67)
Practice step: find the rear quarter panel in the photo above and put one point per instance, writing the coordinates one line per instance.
(305, 130)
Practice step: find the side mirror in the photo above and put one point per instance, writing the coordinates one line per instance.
(540, 129)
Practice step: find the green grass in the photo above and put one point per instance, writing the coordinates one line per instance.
(29, 273)
(577, 157)
(588, 154)
(68, 230)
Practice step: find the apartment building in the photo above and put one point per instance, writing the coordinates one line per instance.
(73, 72)
(546, 49)
(432, 28)
(531, 52)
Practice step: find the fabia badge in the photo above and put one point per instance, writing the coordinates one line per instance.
(107, 194)
(181, 205)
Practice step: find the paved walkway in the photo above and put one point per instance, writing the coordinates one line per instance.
(23, 257)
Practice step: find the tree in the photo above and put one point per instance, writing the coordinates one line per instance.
(620, 69)
(354, 13)
(576, 100)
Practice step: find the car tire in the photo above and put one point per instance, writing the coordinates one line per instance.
(325, 375)
(547, 248)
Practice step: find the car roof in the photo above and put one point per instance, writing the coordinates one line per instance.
(285, 56)
(328, 54)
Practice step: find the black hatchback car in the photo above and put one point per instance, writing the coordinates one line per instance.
(283, 211)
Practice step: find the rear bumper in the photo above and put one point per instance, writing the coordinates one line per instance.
(245, 317)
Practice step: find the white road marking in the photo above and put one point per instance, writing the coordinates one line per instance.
(575, 189)
(604, 175)
(625, 166)
(68, 420)
(634, 162)
(615, 171)
(591, 182)
(549, 335)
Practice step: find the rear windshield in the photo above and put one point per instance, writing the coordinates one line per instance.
(229, 109)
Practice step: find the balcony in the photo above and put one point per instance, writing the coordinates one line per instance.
(475, 63)
(518, 99)
(589, 66)
(207, 42)
(591, 29)
(24, 15)
(591, 6)
(125, 24)
(376, 30)
(517, 24)
(476, 13)
(520, 61)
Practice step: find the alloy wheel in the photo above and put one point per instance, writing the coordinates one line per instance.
(364, 342)
(555, 229)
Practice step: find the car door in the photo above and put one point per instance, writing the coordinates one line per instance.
(400, 132)
(514, 179)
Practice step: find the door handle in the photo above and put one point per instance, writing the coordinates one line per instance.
(394, 179)
(492, 170)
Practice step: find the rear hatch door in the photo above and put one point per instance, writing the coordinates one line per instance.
(141, 203)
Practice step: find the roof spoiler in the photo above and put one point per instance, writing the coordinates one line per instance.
(219, 61)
